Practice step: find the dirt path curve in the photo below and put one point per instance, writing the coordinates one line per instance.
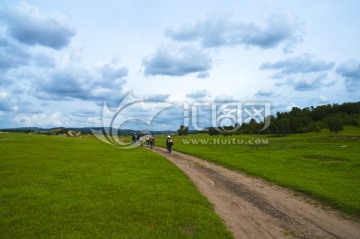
(252, 208)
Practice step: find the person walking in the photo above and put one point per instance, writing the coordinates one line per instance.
(169, 143)
(152, 141)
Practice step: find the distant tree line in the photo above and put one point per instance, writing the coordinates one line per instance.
(296, 121)
(52, 131)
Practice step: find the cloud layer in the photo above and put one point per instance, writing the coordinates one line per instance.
(350, 71)
(105, 83)
(303, 73)
(199, 94)
(11, 55)
(302, 64)
(28, 26)
(224, 32)
(181, 61)
(49, 70)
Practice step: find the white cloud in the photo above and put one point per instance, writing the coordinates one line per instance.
(303, 73)
(323, 98)
(173, 61)
(157, 97)
(3, 94)
(40, 120)
(198, 94)
(304, 63)
(104, 83)
(27, 25)
(265, 93)
(222, 98)
(217, 32)
(350, 71)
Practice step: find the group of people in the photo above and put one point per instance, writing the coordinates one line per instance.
(150, 141)
(139, 140)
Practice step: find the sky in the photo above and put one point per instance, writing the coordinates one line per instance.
(75, 63)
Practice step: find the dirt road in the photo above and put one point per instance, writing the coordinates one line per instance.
(252, 208)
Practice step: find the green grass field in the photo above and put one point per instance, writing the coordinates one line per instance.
(62, 187)
(324, 165)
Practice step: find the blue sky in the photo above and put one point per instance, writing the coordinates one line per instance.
(61, 60)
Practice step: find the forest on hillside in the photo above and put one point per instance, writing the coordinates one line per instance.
(309, 119)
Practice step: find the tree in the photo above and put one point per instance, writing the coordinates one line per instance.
(283, 127)
(184, 130)
(213, 131)
(334, 124)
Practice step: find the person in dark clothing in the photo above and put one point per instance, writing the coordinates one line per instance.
(169, 143)
(133, 138)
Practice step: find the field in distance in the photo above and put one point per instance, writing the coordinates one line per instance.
(64, 187)
(324, 165)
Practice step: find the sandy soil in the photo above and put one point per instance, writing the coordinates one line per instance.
(253, 208)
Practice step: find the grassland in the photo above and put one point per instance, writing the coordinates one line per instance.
(324, 165)
(62, 187)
